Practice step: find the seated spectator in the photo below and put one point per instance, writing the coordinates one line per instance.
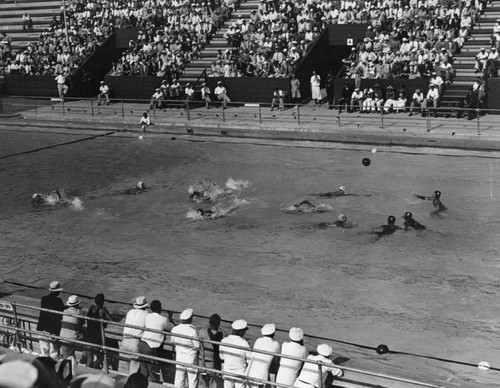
(103, 94)
(156, 99)
(378, 98)
(468, 104)
(205, 94)
(368, 104)
(221, 94)
(481, 59)
(278, 99)
(189, 93)
(356, 99)
(345, 97)
(390, 99)
(416, 101)
(400, 104)
(145, 121)
(432, 97)
(27, 22)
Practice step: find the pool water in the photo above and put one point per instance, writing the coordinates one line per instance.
(430, 292)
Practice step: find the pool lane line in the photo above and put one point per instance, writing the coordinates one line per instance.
(56, 145)
(368, 347)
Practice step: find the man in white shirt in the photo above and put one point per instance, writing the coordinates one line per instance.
(189, 92)
(235, 360)
(289, 368)
(221, 93)
(186, 351)
(61, 85)
(156, 99)
(431, 98)
(481, 59)
(103, 93)
(416, 100)
(316, 88)
(309, 376)
(205, 94)
(259, 363)
(152, 342)
(132, 336)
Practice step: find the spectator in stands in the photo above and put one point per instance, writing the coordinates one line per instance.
(289, 368)
(211, 354)
(27, 22)
(469, 102)
(378, 98)
(295, 89)
(62, 88)
(186, 351)
(309, 375)
(50, 323)
(132, 336)
(479, 88)
(368, 104)
(151, 343)
(94, 357)
(278, 99)
(400, 104)
(432, 97)
(156, 99)
(481, 59)
(103, 94)
(416, 101)
(356, 99)
(390, 98)
(221, 94)
(136, 380)
(205, 94)
(71, 326)
(345, 97)
(316, 88)
(235, 360)
(259, 364)
(492, 63)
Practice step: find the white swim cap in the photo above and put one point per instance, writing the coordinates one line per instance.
(35, 195)
(342, 217)
(140, 184)
(342, 188)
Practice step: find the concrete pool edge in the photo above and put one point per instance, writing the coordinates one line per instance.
(486, 141)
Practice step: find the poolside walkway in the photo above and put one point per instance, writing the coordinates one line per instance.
(307, 122)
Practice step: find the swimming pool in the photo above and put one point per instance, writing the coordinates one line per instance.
(429, 292)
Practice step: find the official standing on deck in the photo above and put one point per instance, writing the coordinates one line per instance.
(235, 360)
(260, 363)
(186, 351)
(289, 368)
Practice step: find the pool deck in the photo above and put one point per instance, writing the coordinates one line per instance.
(305, 123)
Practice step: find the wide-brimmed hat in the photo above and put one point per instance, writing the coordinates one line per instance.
(73, 301)
(55, 286)
(140, 302)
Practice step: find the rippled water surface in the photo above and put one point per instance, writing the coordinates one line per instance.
(429, 292)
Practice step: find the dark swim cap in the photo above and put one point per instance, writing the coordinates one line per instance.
(391, 219)
(382, 349)
(408, 215)
(437, 193)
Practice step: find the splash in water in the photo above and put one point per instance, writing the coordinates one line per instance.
(321, 208)
(205, 190)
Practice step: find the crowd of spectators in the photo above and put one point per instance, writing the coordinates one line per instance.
(185, 340)
(171, 38)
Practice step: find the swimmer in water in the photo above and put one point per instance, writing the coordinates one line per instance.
(390, 228)
(342, 222)
(410, 223)
(208, 214)
(140, 188)
(50, 198)
(436, 200)
(306, 203)
(341, 192)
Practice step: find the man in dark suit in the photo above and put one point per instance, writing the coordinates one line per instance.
(50, 323)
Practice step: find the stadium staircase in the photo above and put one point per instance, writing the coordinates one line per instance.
(41, 13)
(194, 69)
(464, 62)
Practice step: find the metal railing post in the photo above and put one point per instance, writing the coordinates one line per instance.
(16, 324)
(478, 123)
(223, 114)
(188, 113)
(298, 114)
(338, 117)
(62, 103)
(428, 119)
(382, 118)
(260, 114)
(123, 110)
(105, 361)
(320, 375)
(36, 109)
(92, 106)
